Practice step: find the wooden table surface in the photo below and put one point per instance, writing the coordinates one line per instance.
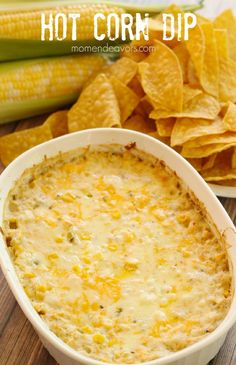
(20, 345)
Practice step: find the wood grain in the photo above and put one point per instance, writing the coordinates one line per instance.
(20, 345)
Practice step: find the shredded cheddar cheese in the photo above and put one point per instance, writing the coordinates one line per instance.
(115, 254)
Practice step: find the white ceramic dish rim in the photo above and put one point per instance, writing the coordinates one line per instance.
(51, 148)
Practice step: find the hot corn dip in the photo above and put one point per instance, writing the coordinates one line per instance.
(116, 256)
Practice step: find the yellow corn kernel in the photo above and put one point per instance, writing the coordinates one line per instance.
(108, 324)
(187, 288)
(116, 214)
(17, 249)
(51, 222)
(39, 296)
(111, 343)
(129, 237)
(95, 306)
(76, 269)
(186, 254)
(85, 304)
(46, 189)
(84, 274)
(41, 288)
(85, 236)
(75, 215)
(112, 246)
(67, 198)
(141, 202)
(227, 293)
(165, 304)
(131, 265)
(161, 261)
(86, 260)
(98, 256)
(97, 322)
(219, 257)
(53, 256)
(59, 239)
(72, 167)
(160, 216)
(98, 338)
(111, 190)
(86, 329)
(152, 208)
(183, 219)
(138, 219)
(155, 332)
(29, 275)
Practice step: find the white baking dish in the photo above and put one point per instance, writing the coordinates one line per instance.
(199, 353)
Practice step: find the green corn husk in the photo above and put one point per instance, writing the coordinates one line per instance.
(135, 6)
(21, 49)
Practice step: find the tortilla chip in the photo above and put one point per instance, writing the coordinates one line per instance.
(209, 77)
(96, 107)
(196, 163)
(165, 126)
(156, 135)
(185, 130)
(227, 138)
(14, 144)
(226, 20)
(202, 20)
(58, 123)
(161, 78)
(205, 151)
(156, 31)
(156, 26)
(233, 162)
(229, 182)
(127, 99)
(222, 169)
(139, 124)
(136, 86)
(208, 162)
(31, 122)
(196, 48)
(144, 107)
(223, 42)
(192, 75)
(204, 56)
(190, 93)
(123, 69)
(227, 67)
(136, 51)
(183, 57)
(201, 106)
(229, 120)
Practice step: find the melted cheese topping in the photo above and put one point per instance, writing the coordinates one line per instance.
(115, 256)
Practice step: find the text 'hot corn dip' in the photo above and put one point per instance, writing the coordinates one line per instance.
(116, 256)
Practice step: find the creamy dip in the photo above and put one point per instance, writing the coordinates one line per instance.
(116, 256)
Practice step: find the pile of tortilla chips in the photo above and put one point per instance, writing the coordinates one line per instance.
(180, 92)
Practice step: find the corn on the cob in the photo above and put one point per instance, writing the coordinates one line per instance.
(33, 87)
(27, 24)
(20, 32)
